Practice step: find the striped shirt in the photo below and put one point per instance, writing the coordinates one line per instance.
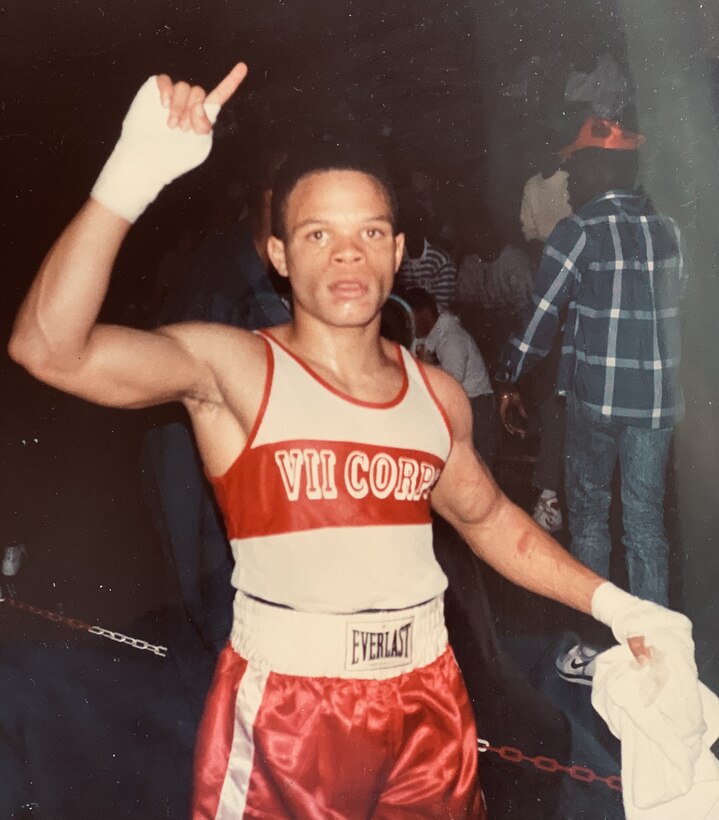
(616, 267)
(433, 271)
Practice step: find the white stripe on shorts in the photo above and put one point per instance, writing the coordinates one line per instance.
(239, 767)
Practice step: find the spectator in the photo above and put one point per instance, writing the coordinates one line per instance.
(617, 267)
(424, 265)
(494, 283)
(498, 283)
(446, 343)
(545, 199)
(545, 202)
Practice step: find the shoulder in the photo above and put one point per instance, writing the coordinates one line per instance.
(237, 362)
(222, 346)
(514, 256)
(437, 253)
(448, 323)
(531, 185)
(452, 398)
(208, 333)
(567, 233)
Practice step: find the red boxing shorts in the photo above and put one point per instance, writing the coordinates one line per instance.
(337, 717)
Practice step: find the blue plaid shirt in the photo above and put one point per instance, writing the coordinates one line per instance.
(616, 266)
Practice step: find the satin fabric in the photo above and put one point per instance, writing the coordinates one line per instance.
(333, 749)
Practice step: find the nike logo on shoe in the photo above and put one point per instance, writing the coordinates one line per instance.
(574, 666)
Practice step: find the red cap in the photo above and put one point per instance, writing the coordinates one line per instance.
(599, 133)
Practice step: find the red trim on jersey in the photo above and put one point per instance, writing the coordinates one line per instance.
(260, 413)
(309, 484)
(265, 394)
(361, 403)
(440, 406)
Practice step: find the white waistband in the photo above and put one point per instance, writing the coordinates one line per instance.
(373, 645)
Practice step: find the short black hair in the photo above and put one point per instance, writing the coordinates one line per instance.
(419, 299)
(262, 172)
(321, 157)
(594, 171)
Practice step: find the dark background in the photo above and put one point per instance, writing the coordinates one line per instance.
(430, 77)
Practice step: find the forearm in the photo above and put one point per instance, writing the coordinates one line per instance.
(520, 550)
(55, 324)
(514, 545)
(495, 529)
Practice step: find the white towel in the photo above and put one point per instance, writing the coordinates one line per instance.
(667, 720)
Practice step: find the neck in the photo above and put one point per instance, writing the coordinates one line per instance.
(341, 350)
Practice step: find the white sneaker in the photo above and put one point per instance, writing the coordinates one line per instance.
(548, 514)
(577, 665)
(12, 559)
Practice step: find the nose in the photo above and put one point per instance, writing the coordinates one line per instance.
(348, 250)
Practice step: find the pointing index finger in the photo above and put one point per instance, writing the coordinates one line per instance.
(227, 87)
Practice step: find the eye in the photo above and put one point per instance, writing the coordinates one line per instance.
(374, 233)
(316, 236)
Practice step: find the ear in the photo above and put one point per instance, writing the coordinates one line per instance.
(398, 250)
(276, 252)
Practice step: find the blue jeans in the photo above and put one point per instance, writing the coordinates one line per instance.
(593, 445)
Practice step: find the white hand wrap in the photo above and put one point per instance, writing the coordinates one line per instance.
(628, 616)
(149, 154)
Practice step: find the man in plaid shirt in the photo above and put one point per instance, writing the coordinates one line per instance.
(613, 273)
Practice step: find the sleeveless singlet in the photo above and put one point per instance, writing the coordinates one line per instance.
(327, 507)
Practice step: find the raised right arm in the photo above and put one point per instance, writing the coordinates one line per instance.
(57, 338)
(56, 334)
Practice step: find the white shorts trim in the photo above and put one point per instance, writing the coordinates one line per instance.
(374, 645)
(236, 785)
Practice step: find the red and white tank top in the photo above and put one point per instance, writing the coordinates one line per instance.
(327, 507)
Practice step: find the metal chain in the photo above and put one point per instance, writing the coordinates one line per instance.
(74, 623)
(509, 753)
(135, 643)
(549, 764)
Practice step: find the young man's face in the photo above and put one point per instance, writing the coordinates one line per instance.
(340, 252)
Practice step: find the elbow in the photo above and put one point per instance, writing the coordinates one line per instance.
(21, 349)
(24, 350)
(33, 353)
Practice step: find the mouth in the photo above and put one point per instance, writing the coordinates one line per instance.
(348, 289)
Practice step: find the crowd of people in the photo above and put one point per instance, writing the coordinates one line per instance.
(297, 493)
